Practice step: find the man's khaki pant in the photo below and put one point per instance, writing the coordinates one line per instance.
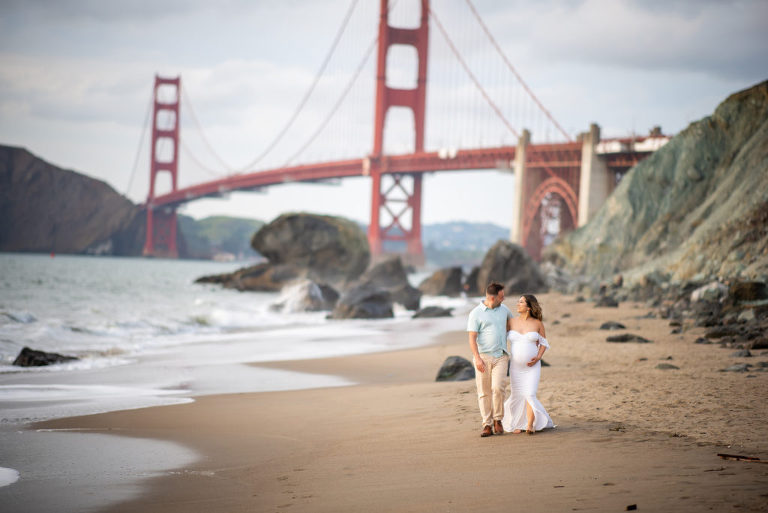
(491, 386)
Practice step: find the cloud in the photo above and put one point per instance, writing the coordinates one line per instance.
(63, 11)
(76, 76)
(723, 39)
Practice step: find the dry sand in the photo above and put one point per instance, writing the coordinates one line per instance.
(627, 433)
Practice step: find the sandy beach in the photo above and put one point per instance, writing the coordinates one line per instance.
(627, 433)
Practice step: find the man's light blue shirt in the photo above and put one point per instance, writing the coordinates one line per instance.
(491, 327)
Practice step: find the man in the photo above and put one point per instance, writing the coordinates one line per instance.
(487, 327)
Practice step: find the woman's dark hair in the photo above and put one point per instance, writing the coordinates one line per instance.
(534, 305)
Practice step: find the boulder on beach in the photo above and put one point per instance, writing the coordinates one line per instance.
(443, 282)
(33, 358)
(389, 275)
(456, 368)
(432, 311)
(737, 367)
(264, 277)
(710, 292)
(331, 249)
(627, 337)
(606, 302)
(363, 301)
(324, 249)
(509, 264)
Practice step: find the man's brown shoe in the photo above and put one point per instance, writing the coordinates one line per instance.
(486, 431)
(497, 427)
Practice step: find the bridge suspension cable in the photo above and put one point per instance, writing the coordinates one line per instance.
(336, 105)
(188, 152)
(304, 100)
(141, 144)
(471, 75)
(188, 105)
(513, 70)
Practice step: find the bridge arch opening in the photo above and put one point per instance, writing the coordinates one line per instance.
(167, 94)
(402, 67)
(163, 183)
(552, 217)
(399, 126)
(165, 119)
(165, 148)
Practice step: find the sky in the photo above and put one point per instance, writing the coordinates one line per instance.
(76, 80)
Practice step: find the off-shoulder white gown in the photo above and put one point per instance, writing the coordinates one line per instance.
(525, 383)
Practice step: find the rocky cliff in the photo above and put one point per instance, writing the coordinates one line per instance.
(44, 208)
(694, 210)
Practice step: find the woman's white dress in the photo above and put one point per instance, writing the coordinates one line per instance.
(525, 382)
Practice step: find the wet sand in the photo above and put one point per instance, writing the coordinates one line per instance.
(628, 433)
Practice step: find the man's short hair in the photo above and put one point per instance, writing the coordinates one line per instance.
(494, 288)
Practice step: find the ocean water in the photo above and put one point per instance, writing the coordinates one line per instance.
(146, 335)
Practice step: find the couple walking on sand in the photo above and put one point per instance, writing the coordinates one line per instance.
(491, 324)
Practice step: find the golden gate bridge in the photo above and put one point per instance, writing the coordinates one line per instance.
(554, 174)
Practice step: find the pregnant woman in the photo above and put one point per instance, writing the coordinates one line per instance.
(522, 410)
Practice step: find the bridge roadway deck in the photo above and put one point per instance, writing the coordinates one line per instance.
(540, 155)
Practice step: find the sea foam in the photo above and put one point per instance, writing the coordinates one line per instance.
(8, 476)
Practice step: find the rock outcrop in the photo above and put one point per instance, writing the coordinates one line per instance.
(48, 209)
(372, 295)
(331, 249)
(693, 211)
(389, 275)
(508, 263)
(323, 249)
(264, 277)
(33, 358)
(432, 311)
(456, 368)
(443, 282)
(363, 301)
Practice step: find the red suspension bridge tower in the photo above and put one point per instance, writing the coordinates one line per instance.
(400, 199)
(161, 222)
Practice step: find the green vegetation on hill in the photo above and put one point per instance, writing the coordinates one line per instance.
(456, 243)
(219, 235)
(459, 243)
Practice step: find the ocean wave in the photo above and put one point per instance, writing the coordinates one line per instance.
(20, 317)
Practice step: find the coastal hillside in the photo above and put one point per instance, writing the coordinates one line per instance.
(694, 210)
(454, 243)
(219, 237)
(48, 209)
(459, 243)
